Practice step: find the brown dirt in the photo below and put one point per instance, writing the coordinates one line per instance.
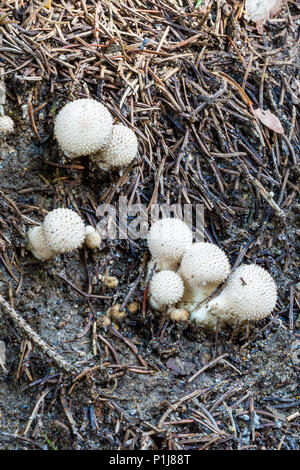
(248, 399)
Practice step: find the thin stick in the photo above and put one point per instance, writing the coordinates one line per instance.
(34, 336)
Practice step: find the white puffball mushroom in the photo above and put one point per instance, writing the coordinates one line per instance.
(166, 288)
(92, 238)
(82, 127)
(203, 268)
(62, 231)
(120, 150)
(38, 245)
(168, 240)
(249, 295)
(6, 125)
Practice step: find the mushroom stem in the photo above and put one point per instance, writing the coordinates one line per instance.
(210, 311)
(194, 294)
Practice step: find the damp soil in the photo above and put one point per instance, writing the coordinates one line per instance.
(260, 367)
(137, 390)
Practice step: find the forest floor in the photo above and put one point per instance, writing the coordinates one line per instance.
(187, 80)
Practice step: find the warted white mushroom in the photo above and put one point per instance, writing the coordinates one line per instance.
(82, 127)
(203, 268)
(249, 295)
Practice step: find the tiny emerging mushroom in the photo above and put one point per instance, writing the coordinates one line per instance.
(62, 231)
(249, 295)
(119, 151)
(166, 288)
(168, 240)
(179, 314)
(114, 312)
(109, 281)
(203, 268)
(82, 127)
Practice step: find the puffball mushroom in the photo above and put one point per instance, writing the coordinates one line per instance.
(62, 231)
(249, 295)
(6, 125)
(168, 240)
(179, 314)
(92, 238)
(166, 288)
(120, 149)
(38, 245)
(203, 267)
(82, 127)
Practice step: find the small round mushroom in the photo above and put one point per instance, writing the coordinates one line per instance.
(92, 238)
(119, 151)
(203, 267)
(82, 127)
(114, 312)
(249, 295)
(62, 231)
(6, 125)
(179, 314)
(166, 288)
(168, 240)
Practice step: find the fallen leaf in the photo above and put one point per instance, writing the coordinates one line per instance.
(260, 11)
(269, 120)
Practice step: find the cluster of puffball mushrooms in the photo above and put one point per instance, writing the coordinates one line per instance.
(182, 275)
(84, 127)
(62, 231)
(186, 274)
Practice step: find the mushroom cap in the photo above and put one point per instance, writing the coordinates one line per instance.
(6, 125)
(204, 263)
(92, 237)
(168, 239)
(64, 230)
(121, 148)
(250, 293)
(82, 127)
(38, 245)
(166, 287)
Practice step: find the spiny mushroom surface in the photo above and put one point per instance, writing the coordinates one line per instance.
(82, 127)
(6, 125)
(119, 151)
(168, 240)
(166, 288)
(249, 296)
(203, 267)
(62, 231)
